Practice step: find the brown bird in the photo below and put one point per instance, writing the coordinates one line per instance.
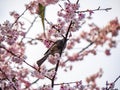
(57, 47)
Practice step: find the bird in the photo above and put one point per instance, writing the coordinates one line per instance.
(57, 47)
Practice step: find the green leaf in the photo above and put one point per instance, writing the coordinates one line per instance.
(42, 14)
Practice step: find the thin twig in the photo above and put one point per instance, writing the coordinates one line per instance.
(29, 28)
(13, 85)
(61, 7)
(86, 47)
(33, 83)
(82, 50)
(67, 83)
(19, 17)
(17, 56)
(54, 27)
(116, 79)
(98, 9)
(22, 59)
(109, 88)
(77, 1)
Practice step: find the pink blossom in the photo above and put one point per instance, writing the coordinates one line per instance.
(74, 57)
(37, 74)
(47, 43)
(52, 1)
(47, 2)
(50, 74)
(13, 74)
(81, 16)
(53, 58)
(70, 45)
(107, 52)
(27, 83)
(32, 7)
(8, 34)
(45, 87)
(14, 14)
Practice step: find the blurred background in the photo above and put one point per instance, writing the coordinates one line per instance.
(91, 64)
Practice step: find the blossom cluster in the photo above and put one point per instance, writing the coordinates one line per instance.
(47, 2)
(12, 51)
(9, 35)
(33, 5)
(14, 76)
(95, 37)
(43, 72)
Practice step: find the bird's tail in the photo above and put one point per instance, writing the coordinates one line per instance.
(41, 61)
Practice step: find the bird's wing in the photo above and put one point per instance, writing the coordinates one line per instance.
(50, 48)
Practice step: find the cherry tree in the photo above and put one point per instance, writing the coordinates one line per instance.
(16, 71)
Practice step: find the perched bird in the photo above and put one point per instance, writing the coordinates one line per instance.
(57, 47)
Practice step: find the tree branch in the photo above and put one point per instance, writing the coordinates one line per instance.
(113, 83)
(29, 28)
(98, 9)
(19, 17)
(13, 85)
(17, 56)
(56, 69)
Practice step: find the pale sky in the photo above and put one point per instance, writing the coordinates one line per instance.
(91, 64)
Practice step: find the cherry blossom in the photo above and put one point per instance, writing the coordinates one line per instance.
(47, 2)
(15, 75)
